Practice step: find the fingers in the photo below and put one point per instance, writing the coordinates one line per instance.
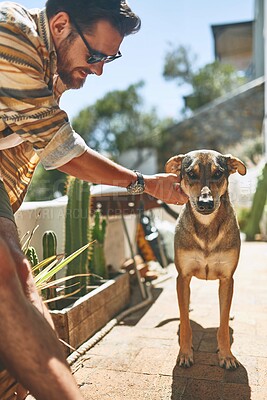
(165, 187)
(182, 197)
(178, 178)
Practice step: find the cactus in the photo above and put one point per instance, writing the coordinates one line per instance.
(99, 229)
(49, 249)
(97, 258)
(32, 256)
(76, 227)
(49, 244)
(253, 222)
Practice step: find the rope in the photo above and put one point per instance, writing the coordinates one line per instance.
(108, 327)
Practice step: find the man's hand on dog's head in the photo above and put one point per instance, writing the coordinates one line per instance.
(165, 187)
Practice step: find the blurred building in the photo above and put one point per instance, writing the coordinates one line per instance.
(238, 115)
(144, 159)
(233, 44)
(241, 44)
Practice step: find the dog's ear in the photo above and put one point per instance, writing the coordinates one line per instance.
(235, 165)
(173, 165)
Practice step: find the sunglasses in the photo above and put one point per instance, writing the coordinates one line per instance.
(95, 56)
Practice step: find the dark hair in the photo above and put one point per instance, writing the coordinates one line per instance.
(88, 12)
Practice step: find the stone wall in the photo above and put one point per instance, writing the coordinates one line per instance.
(224, 122)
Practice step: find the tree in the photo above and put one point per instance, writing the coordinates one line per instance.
(207, 83)
(117, 123)
(46, 185)
(179, 65)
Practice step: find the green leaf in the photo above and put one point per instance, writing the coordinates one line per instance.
(44, 263)
(51, 272)
(55, 283)
(64, 296)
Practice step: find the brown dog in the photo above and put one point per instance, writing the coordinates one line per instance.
(207, 240)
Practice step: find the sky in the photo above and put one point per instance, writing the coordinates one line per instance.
(164, 22)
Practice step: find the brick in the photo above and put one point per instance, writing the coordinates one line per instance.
(200, 372)
(203, 389)
(235, 391)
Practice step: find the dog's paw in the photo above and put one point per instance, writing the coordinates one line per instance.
(185, 360)
(228, 361)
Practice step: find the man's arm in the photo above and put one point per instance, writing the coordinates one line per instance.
(93, 167)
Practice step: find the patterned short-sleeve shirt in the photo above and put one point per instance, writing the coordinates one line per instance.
(33, 128)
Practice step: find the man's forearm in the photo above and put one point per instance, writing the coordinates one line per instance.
(93, 167)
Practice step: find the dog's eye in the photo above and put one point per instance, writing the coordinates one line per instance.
(218, 174)
(192, 175)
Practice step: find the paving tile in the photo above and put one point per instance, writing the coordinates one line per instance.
(235, 391)
(104, 384)
(170, 360)
(258, 392)
(166, 329)
(167, 388)
(261, 324)
(197, 339)
(209, 342)
(239, 376)
(242, 325)
(200, 372)
(250, 345)
(119, 362)
(149, 360)
(202, 389)
(206, 358)
(262, 371)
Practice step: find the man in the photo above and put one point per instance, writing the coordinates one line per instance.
(43, 53)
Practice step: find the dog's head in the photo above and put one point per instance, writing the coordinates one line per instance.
(204, 176)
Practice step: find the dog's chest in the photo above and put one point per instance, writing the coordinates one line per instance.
(207, 248)
(214, 265)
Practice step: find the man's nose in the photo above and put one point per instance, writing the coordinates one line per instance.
(97, 68)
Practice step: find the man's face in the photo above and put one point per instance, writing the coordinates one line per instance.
(72, 54)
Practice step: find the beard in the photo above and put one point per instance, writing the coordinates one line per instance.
(67, 74)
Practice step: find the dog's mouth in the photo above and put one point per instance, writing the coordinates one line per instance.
(205, 203)
(205, 206)
(204, 212)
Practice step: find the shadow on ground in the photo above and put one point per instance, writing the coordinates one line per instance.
(205, 380)
(136, 298)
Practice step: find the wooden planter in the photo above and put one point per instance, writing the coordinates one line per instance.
(81, 320)
(8, 386)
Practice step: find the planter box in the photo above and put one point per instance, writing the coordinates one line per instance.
(87, 315)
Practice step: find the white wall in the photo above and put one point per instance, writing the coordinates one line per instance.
(50, 215)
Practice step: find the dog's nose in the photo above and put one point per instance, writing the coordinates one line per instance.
(205, 191)
(205, 200)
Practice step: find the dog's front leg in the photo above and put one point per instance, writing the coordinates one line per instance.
(226, 358)
(185, 357)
